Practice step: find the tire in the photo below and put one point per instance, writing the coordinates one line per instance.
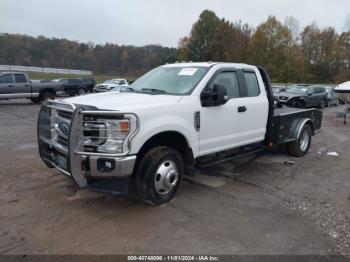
(48, 95)
(35, 100)
(323, 104)
(301, 146)
(81, 91)
(297, 104)
(159, 175)
(329, 103)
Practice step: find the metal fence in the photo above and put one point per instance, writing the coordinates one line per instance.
(44, 70)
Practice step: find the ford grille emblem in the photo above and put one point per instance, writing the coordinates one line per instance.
(64, 128)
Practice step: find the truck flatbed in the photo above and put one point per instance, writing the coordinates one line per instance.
(286, 121)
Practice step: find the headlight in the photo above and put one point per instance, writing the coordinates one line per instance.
(106, 135)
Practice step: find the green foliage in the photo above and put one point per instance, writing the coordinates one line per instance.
(314, 55)
(62, 53)
(197, 47)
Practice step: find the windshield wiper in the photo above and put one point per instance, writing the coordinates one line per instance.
(154, 90)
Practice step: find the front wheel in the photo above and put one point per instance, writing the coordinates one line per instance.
(297, 104)
(159, 175)
(301, 146)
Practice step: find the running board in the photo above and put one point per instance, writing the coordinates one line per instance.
(231, 157)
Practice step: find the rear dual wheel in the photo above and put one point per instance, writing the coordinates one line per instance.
(47, 95)
(301, 146)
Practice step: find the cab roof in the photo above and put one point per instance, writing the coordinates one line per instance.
(209, 64)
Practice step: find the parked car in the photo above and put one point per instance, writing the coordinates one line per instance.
(332, 97)
(304, 96)
(18, 85)
(109, 84)
(90, 83)
(173, 119)
(278, 88)
(73, 86)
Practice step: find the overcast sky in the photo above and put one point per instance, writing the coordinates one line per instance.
(141, 22)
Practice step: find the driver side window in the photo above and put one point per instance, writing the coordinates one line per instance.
(230, 81)
(311, 91)
(6, 79)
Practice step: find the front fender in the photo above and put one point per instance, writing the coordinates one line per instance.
(158, 125)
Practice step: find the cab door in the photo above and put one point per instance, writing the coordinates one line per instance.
(241, 120)
(7, 86)
(313, 97)
(21, 86)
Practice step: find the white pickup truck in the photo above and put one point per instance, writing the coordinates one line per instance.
(171, 120)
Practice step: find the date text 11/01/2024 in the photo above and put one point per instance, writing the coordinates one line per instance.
(173, 258)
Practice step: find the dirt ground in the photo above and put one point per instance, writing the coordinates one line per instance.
(269, 206)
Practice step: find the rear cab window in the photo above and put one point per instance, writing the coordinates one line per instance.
(20, 78)
(253, 88)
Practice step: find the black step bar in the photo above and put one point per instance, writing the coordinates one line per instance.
(230, 157)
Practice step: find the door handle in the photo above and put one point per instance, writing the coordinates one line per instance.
(10, 85)
(26, 85)
(241, 109)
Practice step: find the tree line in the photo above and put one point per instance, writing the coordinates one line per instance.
(109, 58)
(317, 55)
(313, 54)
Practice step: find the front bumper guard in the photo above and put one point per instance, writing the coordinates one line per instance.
(87, 170)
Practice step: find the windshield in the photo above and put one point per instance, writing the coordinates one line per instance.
(170, 80)
(297, 90)
(111, 82)
(329, 88)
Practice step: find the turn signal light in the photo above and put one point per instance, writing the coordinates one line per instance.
(124, 127)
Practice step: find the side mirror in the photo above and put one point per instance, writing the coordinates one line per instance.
(310, 93)
(215, 97)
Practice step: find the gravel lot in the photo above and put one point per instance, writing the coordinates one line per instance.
(264, 207)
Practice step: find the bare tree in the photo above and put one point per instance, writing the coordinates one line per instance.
(293, 26)
(347, 23)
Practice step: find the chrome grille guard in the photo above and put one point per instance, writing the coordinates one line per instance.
(74, 152)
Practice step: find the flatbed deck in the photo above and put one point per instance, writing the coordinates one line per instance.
(289, 110)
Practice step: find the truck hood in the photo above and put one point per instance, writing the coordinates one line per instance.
(124, 101)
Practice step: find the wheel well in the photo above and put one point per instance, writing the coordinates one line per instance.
(174, 140)
(297, 99)
(309, 123)
(47, 90)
